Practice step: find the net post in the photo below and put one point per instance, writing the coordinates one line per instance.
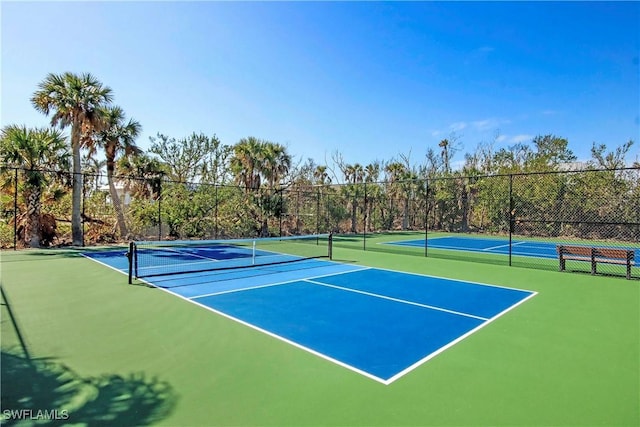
(130, 257)
(330, 244)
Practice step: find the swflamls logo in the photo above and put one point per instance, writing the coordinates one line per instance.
(35, 414)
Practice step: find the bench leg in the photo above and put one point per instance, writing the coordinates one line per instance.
(628, 271)
(562, 263)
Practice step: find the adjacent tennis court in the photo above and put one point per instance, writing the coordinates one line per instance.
(519, 247)
(376, 322)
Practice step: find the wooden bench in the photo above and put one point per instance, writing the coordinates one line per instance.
(596, 255)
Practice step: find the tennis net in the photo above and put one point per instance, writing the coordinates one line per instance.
(162, 258)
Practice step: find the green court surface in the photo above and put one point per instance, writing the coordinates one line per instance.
(77, 338)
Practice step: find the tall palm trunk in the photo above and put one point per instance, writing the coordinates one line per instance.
(76, 194)
(32, 228)
(115, 199)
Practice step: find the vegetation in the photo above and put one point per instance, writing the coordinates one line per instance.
(28, 151)
(199, 187)
(115, 136)
(74, 101)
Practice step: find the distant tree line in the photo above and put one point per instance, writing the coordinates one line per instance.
(254, 185)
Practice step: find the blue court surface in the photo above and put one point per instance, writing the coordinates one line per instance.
(494, 246)
(379, 323)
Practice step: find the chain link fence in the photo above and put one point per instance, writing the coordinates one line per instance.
(515, 219)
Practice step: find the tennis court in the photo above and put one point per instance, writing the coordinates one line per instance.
(91, 344)
(376, 322)
(525, 248)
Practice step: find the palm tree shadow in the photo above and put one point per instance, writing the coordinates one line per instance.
(44, 384)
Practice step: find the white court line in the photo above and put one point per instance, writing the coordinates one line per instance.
(456, 341)
(451, 279)
(283, 339)
(432, 307)
(274, 284)
(502, 246)
(467, 249)
(107, 265)
(336, 361)
(264, 331)
(403, 242)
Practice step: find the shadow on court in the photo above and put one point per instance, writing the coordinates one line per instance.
(44, 384)
(30, 385)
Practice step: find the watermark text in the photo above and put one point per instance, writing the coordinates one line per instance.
(35, 414)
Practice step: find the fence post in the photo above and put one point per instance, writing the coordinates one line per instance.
(364, 228)
(280, 213)
(317, 211)
(511, 217)
(15, 210)
(426, 216)
(84, 215)
(215, 214)
(297, 211)
(159, 210)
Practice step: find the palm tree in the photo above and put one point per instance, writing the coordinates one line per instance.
(31, 150)
(409, 187)
(321, 175)
(255, 161)
(143, 174)
(354, 175)
(246, 162)
(322, 179)
(276, 163)
(93, 169)
(116, 136)
(75, 101)
(372, 193)
(394, 171)
(444, 144)
(372, 172)
(402, 183)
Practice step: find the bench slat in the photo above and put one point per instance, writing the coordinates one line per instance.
(575, 250)
(614, 253)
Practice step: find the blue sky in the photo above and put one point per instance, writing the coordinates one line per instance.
(371, 80)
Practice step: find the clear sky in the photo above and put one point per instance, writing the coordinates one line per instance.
(372, 80)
